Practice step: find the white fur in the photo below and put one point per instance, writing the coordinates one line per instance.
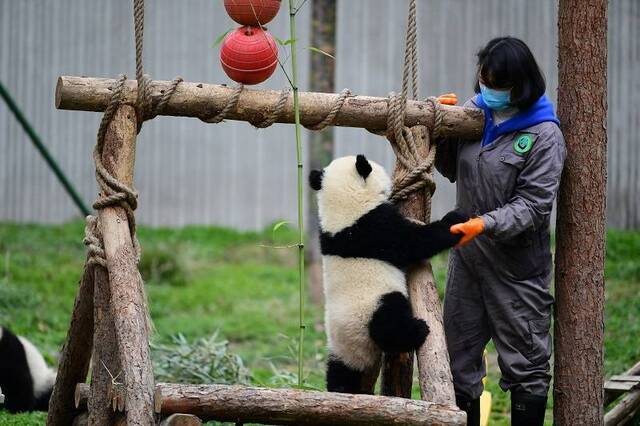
(353, 288)
(345, 196)
(43, 377)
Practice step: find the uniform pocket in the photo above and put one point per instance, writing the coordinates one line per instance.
(539, 340)
(512, 159)
(520, 258)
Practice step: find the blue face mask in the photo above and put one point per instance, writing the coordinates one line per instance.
(497, 100)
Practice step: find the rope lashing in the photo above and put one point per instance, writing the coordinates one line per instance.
(145, 109)
(276, 111)
(113, 192)
(419, 170)
(93, 241)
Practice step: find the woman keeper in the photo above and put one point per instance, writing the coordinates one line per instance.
(499, 275)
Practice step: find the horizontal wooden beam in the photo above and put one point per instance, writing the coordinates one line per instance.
(200, 100)
(245, 404)
(293, 407)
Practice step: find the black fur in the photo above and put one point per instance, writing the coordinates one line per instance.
(362, 166)
(384, 234)
(15, 378)
(341, 378)
(315, 179)
(393, 326)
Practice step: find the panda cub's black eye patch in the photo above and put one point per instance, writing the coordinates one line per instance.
(315, 179)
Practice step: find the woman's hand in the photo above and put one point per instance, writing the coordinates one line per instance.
(448, 99)
(469, 230)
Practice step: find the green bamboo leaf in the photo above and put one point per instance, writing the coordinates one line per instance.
(279, 225)
(315, 49)
(220, 38)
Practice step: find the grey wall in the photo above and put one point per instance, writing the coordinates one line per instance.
(231, 174)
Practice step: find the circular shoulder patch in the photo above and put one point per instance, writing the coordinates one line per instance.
(523, 144)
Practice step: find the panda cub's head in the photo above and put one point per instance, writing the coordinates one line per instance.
(347, 189)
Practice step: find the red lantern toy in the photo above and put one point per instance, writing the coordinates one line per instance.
(252, 12)
(249, 55)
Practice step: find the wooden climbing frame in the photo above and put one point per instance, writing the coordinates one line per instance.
(110, 313)
(109, 325)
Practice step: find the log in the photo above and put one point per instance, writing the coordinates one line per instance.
(198, 99)
(434, 371)
(623, 410)
(128, 305)
(286, 406)
(105, 363)
(294, 407)
(76, 355)
(611, 395)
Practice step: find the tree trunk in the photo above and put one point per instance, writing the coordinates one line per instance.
(322, 79)
(580, 230)
(76, 355)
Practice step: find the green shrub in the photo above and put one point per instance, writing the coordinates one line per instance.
(204, 360)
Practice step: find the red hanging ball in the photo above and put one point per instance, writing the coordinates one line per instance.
(252, 12)
(249, 55)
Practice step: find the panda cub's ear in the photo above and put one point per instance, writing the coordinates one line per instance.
(363, 166)
(315, 179)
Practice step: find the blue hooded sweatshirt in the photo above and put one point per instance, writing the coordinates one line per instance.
(539, 112)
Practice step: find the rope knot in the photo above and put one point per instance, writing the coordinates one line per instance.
(93, 241)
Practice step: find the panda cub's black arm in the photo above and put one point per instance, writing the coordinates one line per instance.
(384, 234)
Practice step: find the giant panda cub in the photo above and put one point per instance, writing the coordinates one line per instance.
(367, 245)
(25, 379)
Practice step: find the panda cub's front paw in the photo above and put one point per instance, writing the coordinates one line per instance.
(453, 217)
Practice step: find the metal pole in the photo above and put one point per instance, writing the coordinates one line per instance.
(43, 151)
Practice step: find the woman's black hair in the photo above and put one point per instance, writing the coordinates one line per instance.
(507, 62)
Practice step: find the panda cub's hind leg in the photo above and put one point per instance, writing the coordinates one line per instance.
(342, 378)
(394, 328)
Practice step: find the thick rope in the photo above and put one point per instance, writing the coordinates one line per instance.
(93, 241)
(113, 192)
(419, 170)
(145, 109)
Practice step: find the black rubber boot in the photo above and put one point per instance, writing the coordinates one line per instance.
(472, 408)
(527, 410)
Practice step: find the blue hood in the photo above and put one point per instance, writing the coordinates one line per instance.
(537, 113)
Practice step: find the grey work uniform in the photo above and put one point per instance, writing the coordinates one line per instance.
(498, 284)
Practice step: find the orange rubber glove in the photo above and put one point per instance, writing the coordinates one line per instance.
(448, 99)
(470, 229)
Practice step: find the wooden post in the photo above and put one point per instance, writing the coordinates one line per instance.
(105, 365)
(76, 355)
(434, 371)
(581, 226)
(198, 99)
(128, 306)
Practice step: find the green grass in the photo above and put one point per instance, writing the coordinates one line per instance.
(204, 279)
